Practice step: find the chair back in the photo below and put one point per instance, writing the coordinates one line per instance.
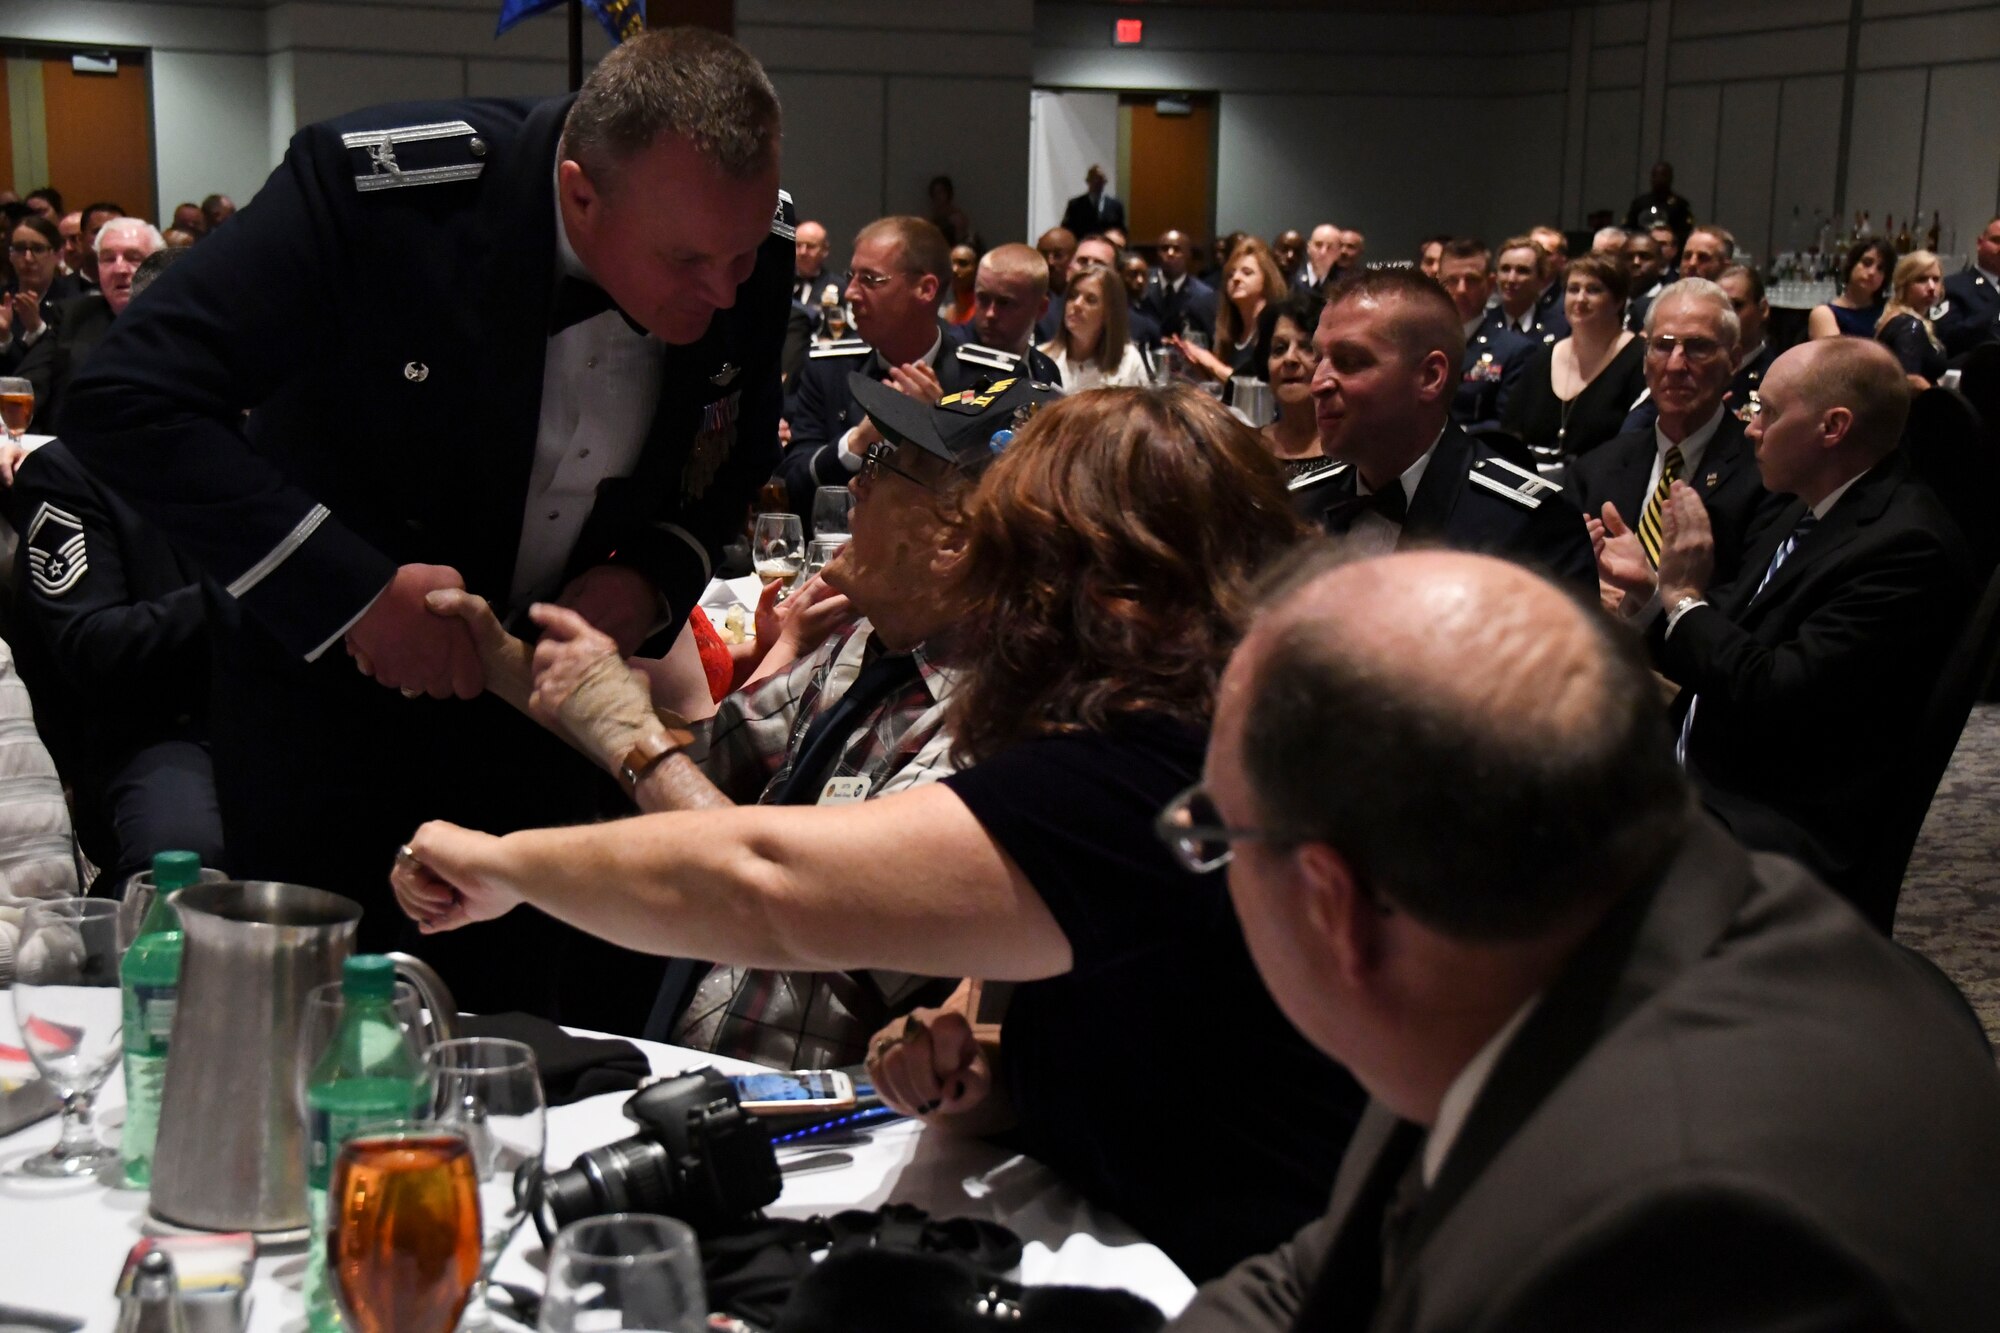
(1947, 444)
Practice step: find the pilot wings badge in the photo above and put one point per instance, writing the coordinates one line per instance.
(57, 560)
(712, 444)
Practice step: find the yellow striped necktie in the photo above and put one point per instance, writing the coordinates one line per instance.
(1651, 526)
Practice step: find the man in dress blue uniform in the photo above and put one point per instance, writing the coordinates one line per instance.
(531, 349)
(1390, 345)
(1972, 298)
(896, 273)
(1494, 352)
(1010, 292)
(1549, 305)
(1518, 271)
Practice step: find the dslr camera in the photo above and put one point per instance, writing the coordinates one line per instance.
(698, 1156)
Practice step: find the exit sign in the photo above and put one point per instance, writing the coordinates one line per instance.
(1128, 32)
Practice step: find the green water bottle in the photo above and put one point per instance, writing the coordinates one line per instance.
(369, 1073)
(150, 977)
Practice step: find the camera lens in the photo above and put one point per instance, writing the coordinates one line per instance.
(631, 1175)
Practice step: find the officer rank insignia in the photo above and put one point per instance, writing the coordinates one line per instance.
(1516, 483)
(712, 444)
(407, 155)
(57, 560)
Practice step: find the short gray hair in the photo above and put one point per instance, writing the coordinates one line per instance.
(690, 83)
(1699, 289)
(140, 225)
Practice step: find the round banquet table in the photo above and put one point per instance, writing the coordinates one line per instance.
(62, 1243)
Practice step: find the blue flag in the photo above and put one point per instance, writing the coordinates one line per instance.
(621, 18)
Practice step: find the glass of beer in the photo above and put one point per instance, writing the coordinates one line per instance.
(627, 1270)
(17, 406)
(778, 548)
(403, 1240)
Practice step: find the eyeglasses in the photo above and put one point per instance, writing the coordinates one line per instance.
(17, 248)
(1698, 349)
(1193, 831)
(878, 460)
(873, 282)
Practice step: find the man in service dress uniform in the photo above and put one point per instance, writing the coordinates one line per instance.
(1390, 347)
(529, 348)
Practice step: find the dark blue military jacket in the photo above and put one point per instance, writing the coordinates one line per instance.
(1494, 356)
(1473, 500)
(381, 309)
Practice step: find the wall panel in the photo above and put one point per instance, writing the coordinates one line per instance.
(834, 151)
(1693, 122)
(1888, 142)
(1746, 161)
(1808, 154)
(1611, 168)
(1961, 176)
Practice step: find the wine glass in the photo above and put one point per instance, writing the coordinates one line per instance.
(403, 1240)
(778, 547)
(70, 1009)
(17, 406)
(820, 552)
(832, 506)
(627, 1270)
(489, 1089)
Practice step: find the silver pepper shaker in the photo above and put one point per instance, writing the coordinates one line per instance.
(154, 1305)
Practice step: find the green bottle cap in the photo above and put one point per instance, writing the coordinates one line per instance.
(368, 976)
(175, 870)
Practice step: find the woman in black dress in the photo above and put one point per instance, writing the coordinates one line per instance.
(1573, 394)
(1906, 319)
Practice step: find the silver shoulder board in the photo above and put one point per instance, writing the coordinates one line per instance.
(386, 173)
(990, 357)
(1539, 482)
(1315, 478)
(781, 218)
(1502, 488)
(845, 347)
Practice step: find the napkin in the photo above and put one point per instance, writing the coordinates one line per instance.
(572, 1067)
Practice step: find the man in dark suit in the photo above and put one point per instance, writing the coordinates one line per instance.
(1390, 348)
(1661, 204)
(1093, 212)
(1178, 300)
(1804, 679)
(1623, 1074)
(1623, 484)
(79, 324)
(1972, 298)
(468, 363)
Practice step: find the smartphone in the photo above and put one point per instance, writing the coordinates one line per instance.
(793, 1091)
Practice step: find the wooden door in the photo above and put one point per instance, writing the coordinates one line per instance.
(100, 136)
(1171, 167)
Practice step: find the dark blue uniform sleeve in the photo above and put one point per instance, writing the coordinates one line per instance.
(102, 639)
(812, 459)
(156, 411)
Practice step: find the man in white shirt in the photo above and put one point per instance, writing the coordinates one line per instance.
(1622, 1075)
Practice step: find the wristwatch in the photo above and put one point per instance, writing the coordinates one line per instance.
(676, 733)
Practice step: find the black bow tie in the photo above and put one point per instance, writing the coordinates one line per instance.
(577, 300)
(1389, 502)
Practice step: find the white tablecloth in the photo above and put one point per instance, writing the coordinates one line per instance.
(62, 1243)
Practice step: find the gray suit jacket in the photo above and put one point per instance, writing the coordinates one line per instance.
(1738, 1107)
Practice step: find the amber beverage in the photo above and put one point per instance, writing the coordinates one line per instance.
(16, 409)
(403, 1239)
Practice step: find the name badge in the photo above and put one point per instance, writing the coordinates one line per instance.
(843, 791)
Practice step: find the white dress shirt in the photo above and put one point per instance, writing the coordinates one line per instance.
(1373, 533)
(1463, 1094)
(600, 387)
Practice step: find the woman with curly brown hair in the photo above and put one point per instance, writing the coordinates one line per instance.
(1110, 555)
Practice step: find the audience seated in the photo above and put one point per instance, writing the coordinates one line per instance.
(1285, 333)
(1622, 486)
(1573, 394)
(1972, 314)
(1288, 248)
(1864, 284)
(1495, 354)
(1011, 294)
(1518, 269)
(1622, 1075)
(1905, 326)
(1322, 264)
(1094, 348)
(1390, 344)
(810, 280)
(1803, 678)
(1708, 251)
(121, 246)
(1109, 553)
(1555, 252)
(1057, 247)
(1102, 252)
(1429, 251)
(1251, 279)
(35, 288)
(1180, 302)
(1648, 265)
(947, 216)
